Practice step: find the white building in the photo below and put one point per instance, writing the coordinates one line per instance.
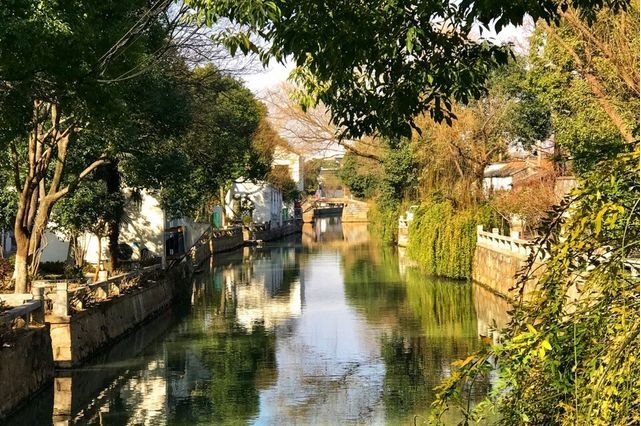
(143, 229)
(261, 198)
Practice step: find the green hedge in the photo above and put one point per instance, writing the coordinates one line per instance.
(442, 239)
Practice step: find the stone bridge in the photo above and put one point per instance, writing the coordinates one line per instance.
(350, 210)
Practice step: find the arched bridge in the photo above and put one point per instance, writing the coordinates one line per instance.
(348, 209)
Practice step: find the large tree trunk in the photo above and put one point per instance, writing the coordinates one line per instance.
(21, 270)
(39, 188)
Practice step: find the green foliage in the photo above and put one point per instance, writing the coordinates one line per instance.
(400, 175)
(8, 207)
(219, 144)
(374, 63)
(383, 222)
(91, 208)
(311, 170)
(279, 177)
(442, 239)
(388, 185)
(361, 183)
(570, 354)
(553, 82)
(378, 64)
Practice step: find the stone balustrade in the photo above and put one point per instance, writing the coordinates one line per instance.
(508, 244)
(60, 293)
(31, 311)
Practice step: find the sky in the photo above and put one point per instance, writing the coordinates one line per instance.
(268, 78)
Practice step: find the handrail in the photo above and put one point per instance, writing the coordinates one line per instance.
(495, 241)
(30, 311)
(188, 252)
(99, 290)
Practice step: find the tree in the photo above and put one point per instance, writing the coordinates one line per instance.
(279, 177)
(570, 353)
(359, 176)
(51, 94)
(226, 136)
(92, 208)
(588, 79)
(379, 64)
(311, 129)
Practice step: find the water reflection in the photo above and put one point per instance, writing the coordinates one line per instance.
(327, 329)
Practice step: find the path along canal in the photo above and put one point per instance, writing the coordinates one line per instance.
(327, 328)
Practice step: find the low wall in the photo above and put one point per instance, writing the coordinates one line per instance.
(76, 337)
(229, 241)
(26, 365)
(498, 260)
(276, 232)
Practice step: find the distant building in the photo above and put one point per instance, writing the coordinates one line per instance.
(288, 157)
(507, 175)
(143, 229)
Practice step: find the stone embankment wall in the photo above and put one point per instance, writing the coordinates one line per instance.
(26, 365)
(498, 260)
(74, 389)
(227, 240)
(276, 232)
(76, 337)
(355, 211)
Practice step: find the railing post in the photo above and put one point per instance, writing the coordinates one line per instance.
(99, 291)
(39, 314)
(61, 305)
(114, 287)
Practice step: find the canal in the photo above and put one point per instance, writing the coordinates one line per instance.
(325, 328)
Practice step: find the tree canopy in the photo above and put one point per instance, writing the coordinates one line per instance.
(379, 64)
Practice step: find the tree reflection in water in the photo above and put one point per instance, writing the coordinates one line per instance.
(427, 323)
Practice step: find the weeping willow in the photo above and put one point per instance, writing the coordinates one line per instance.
(442, 239)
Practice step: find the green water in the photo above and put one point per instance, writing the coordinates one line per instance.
(329, 328)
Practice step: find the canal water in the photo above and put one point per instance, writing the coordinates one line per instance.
(325, 328)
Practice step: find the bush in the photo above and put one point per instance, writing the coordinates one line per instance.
(6, 272)
(73, 272)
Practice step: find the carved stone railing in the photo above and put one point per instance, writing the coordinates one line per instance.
(523, 248)
(226, 232)
(508, 244)
(60, 294)
(30, 311)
